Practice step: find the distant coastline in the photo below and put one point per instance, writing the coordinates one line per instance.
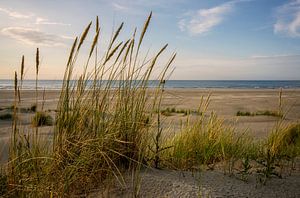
(204, 84)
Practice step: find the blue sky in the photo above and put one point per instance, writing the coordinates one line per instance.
(214, 39)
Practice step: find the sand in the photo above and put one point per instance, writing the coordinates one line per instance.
(226, 103)
(166, 183)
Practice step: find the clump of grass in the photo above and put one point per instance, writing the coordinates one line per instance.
(203, 142)
(269, 113)
(6, 116)
(42, 119)
(102, 128)
(283, 144)
(33, 107)
(244, 113)
(259, 113)
(209, 141)
(171, 111)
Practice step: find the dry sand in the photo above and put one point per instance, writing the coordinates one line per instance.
(225, 102)
(166, 183)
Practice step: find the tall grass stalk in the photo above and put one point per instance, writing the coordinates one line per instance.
(102, 125)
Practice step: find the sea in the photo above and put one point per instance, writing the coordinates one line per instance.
(200, 84)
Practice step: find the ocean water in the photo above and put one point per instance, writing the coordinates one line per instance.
(234, 84)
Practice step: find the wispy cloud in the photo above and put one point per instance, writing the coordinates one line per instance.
(118, 6)
(15, 14)
(203, 20)
(38, 20)
(288, 19)
(274, 56)
(34, 36)
(43, 21)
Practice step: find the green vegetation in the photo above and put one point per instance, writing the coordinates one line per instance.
(171, 111)
(246, 113)
(207, 142)
(260, 113)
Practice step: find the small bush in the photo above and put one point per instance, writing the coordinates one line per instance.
(33, 108)
(42, 119)
(173, 110)
(269, 113)
(259, 113)
(7, 116)
(242, 113)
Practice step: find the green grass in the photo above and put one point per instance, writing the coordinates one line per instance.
(259, 113)
(269, 113)
(244, 113)
(172, 111)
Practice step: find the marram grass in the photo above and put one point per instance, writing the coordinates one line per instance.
(101, 130)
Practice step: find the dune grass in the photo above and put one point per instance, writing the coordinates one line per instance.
(102, 122)
(208, 141)
(259, 113)
(172, 111)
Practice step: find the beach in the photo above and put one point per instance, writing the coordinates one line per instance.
(224, 102)
(166, 183)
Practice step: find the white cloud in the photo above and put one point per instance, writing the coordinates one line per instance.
(15, 14)
(288, 19)
(34, 36)
(274, 56)
(43, 21)
(203, 20)
(38, 20)
(118, 6)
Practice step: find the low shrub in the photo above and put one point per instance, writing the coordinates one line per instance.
(242, 113)
(33, 108)
(259, 113)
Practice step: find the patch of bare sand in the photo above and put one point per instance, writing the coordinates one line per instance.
(165, 183)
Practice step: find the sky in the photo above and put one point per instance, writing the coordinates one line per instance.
(214, 39)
